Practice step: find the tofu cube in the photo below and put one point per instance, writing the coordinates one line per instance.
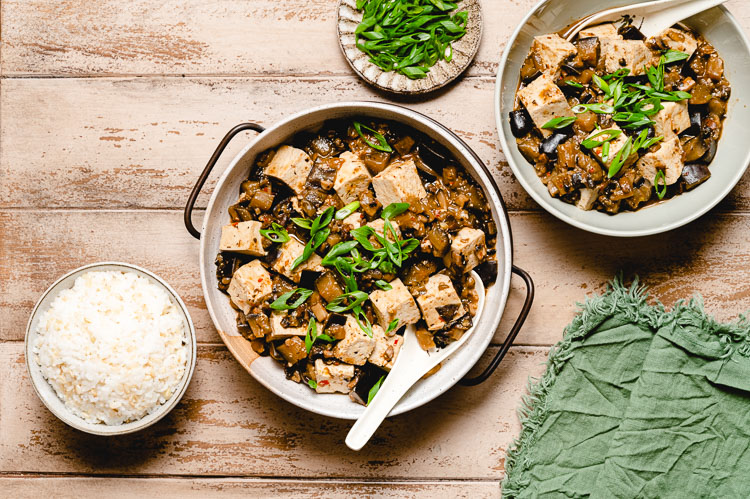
(386, 348)
(468, 249)
(242, 237)
(352, 178)
(379, 226)
(552, 50)
(668, 158)
(396, 303)
(672, 120)
(399, 183)
(614, 145)
(281, 332)
(353, 221)
(332, 378)
(677, 39)
(356, 346)
(440, 303)
(601, 31)
(588, 198)
(291, 166)
(250, 285)
(631, 54)
(288, 253)
(544, 100)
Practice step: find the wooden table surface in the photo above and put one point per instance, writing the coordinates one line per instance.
(108, 112)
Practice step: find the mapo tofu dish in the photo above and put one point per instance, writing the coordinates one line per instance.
(342, 238)
(614, 121)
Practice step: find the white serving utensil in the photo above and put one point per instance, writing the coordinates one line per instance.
(651, 17)
(411, 364)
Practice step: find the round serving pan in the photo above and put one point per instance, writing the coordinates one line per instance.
(267, 371)
(732, 156)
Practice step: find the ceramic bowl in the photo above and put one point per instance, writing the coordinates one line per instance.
(720, 28)
(47, 393)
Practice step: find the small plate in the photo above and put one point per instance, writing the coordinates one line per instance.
(442, 73)
(48, 395)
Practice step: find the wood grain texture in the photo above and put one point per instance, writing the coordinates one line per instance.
(227, 424)
(711, 255)
(123, 143)
(84, 37)
(142, 142)
(23, 487)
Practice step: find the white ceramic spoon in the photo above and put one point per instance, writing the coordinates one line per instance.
(411, 364)
(651, 17)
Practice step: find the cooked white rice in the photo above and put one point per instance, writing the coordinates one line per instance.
(113, 346)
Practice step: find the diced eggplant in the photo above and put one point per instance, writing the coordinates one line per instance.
(588, 50)
(529, 71)
(434, 156)
(711, 152)
(487, 271)
(630, 32)
(695, 174)
(694, 129)
(368, 375)
(520, 123)
(550, 144)
(571, 69)
(694, 148)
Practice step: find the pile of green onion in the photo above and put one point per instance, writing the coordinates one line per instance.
(409, 36)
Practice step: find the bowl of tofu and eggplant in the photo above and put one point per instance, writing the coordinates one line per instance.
(334, 230)
(618, 134)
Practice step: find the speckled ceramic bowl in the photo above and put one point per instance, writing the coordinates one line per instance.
(733, 155)
(47, 393)
(442, 73)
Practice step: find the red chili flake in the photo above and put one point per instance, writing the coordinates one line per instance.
(323, 383)
(260, 279)
(395, 342)
(234, 224)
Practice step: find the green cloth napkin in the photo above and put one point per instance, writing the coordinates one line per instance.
(638, 402)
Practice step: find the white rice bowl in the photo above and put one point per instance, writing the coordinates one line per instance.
(113, 347)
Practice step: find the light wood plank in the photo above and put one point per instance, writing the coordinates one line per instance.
(178, 488)
(709, 255)
(104, 37)
(197, 37)
(228, 424)
(115, 143)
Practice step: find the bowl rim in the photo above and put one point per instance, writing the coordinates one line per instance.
(77, 422)
(549, 203)
(491, 190)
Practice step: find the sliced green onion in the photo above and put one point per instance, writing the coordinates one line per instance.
(276, 233)
(393, 210)
(574, 84)
(347, 210)
(339, 249)
(312, 383)
(598, 108)
(671, 56)
(561, 122)
(282, 302)
(392, 326)
(382, 144)
(302, 222)
(607, 135)
(660, 193)
(384, 285)
(347, 301)
(374, 390)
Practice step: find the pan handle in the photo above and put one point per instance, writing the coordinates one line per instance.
(207, 171)
(513, 331)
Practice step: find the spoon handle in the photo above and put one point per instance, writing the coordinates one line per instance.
(387, 397)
